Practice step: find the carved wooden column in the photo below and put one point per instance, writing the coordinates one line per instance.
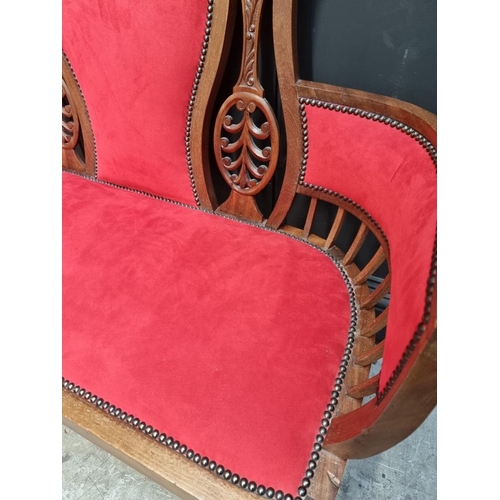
(246, 165)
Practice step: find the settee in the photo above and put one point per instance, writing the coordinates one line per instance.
(226, 349)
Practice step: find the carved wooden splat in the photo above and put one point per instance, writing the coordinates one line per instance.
(77, 137)
(247, 151)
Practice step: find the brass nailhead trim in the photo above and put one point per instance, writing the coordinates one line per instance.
(192, 99)
(417, 335)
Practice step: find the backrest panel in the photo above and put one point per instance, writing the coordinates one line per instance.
(136, 63)
(393, 177)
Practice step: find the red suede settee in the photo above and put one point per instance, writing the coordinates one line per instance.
(223, 352)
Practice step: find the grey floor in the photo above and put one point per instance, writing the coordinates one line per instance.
(405, 472)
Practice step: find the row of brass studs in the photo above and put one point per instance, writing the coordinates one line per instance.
(332, 404)
(125, 188)
(86, 111)
(251, 486)
(194, 91)
(421, 328)
(375, 117)
(381, 394)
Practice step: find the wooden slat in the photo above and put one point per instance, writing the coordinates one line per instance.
(364, 389)
(371, 355)
(295, 231)
(377, 325)
(335, 230)
(377, 426)
(378, 294)
(356, 245)
(371, 267)
(310, 217)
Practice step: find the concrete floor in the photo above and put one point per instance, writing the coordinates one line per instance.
(405, 472)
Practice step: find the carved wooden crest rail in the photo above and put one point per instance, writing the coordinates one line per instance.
(247, 151)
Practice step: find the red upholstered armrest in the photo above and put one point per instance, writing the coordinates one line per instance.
(390, 171)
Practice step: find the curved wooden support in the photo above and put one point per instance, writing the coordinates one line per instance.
(285, 48)
(247, 162)
(419, 119)
(365, 388)
(377, 426)
(159, 463)
(377, 325)
(371, 267)
(78, 144)
(356, 245)
(215, 51)
(371, 355)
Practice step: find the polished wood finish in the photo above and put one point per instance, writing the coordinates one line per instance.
(365, 388)
(78, 153)
(374, 263)
(284, 25)
(327, 477)
(372, 355)
(356, 245)
(310, 217)
(378, 323)
(375, 427)
(254, 166)
(378, 294)
(335, 230)
(200, 141)
(350, 208)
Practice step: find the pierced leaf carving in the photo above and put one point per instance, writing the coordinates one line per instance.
(70, 122)
(247, 154)
(247, 151)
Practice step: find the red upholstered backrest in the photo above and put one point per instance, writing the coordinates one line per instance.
(136, 63)
(393, 177)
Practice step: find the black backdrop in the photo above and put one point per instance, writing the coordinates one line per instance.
(383, 46)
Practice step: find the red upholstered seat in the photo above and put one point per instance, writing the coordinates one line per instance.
(246, 388)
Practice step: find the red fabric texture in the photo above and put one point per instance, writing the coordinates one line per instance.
(136, 65)
(392, 177)
(218, 333)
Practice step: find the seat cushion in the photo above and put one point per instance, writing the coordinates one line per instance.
(221, 334)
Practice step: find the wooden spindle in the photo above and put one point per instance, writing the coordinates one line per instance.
(310, 217)
(378, 294)
(365, 388)
(370, 268)
(371, 355)
(335, 230)
(356, 245)
(377, 325)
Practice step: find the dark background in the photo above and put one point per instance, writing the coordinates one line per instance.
(383, 46)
